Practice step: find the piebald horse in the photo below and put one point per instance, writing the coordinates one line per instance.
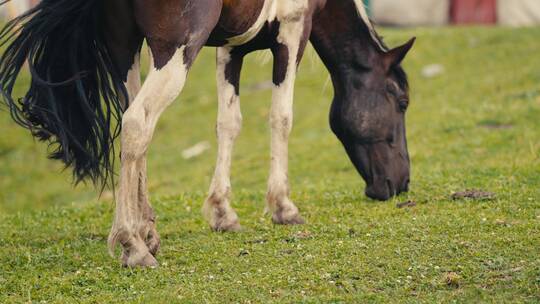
(84, 60)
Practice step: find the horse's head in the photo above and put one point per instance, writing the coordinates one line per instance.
(369, 119)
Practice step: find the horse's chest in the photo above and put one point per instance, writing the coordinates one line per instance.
(243, 20)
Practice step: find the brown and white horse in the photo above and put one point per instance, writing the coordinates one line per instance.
(84, 59)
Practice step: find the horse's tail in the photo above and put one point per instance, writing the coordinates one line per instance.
(74, 97)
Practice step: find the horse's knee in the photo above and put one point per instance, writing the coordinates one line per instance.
(230, 128)
(281, 122)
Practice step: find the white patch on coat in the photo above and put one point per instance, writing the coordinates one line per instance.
(364, 15)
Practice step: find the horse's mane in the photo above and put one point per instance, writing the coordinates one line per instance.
(378, 40)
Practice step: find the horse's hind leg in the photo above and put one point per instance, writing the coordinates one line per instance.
(138, 124)
(217, 207)
(174, 41)
(124, 44)
(149, 234)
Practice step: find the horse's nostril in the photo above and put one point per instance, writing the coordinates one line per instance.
(380, 191)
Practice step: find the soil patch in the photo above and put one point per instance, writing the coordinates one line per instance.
(407, 204)
(473, 194)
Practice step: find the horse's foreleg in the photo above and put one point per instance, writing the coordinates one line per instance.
(292, 40)
(217, 209)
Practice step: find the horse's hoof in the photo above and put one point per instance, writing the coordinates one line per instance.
(147, 261)
(281, 218)
(222, 219)
(224, 226)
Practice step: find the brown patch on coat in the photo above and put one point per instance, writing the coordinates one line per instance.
(281, 63)
(166, 27)
(123, 42)
(232, 71)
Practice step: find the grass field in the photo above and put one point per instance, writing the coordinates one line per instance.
(475, 126)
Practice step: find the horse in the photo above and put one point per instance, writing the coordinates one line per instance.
(86, 91)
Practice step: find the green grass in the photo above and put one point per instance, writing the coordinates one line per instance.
(53, 237)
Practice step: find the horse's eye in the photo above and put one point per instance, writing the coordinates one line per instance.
(403, 104)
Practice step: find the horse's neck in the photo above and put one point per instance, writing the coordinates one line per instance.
(344, 38)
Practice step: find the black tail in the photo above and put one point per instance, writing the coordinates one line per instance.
(74, 98)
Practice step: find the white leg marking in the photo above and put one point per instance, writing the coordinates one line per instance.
(281, 116)
(217, 207)
(133, 84)
(150, 235)
(138, 124)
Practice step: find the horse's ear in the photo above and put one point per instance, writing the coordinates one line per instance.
(395, 56)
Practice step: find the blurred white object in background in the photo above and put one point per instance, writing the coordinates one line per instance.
(518, 12)
(432, 70)
(411, 12)
(196, 150)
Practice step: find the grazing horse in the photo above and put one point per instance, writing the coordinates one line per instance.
(84, 60)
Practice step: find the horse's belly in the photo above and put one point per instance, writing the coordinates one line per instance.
(241, 21)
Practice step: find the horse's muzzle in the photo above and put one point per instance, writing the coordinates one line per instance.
(386, 189)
